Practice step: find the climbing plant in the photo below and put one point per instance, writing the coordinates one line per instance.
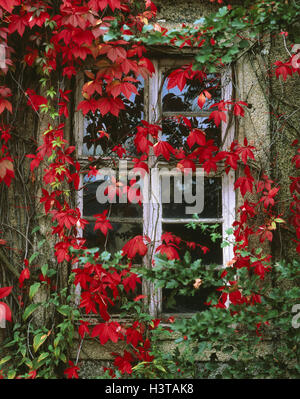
(49, 52)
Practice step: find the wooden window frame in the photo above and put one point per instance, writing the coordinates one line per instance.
(152, 218)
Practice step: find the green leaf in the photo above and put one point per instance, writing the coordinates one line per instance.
(35, 229)
(64, 310)
(223, 11)
(38, 340)
(172, 284)
(33, 256)
(33, 289)
(225, 244)
(5, 359)
(279, 220)
(43, 356)
(29, 310)
(44, 270)
(160, 368)
(244, 43)
(63, 357)
(40, 243)
(11, 374)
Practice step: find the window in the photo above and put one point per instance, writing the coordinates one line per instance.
(170, 198)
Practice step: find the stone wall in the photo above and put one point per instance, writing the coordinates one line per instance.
(250, 86)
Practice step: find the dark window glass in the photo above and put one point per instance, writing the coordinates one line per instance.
(174, 100)
(212, 198)
(172, 301)
(175, 131)
(91, 206)
(121, 129)
(115, 239)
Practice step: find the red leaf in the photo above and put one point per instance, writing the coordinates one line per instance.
(62, 251)
(136, 246)
(178, 78)
(18, 23)
(245, 152)
(124, 362)
(88, 105)
(83, 328)
(6, 171)
(107, 331)
(25, 275)
(163, 148)
(168, 250)
(101, 4)
(283, 70)
(133, 336)
(244, 184)
(5, 291)
(196, 136)
(71, 372)
(218, 116)
(232, 159)
(102, 223)
(238, 110)
(8, 5)
(34, 100)
(201, 100)
(5, 104)
(119, 150)
(130, 282)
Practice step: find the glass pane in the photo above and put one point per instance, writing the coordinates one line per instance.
(172, 301)
(176, 132)
(186, 304)
(213, 256)
(115, 239)
(120, 129)
(174, 100)
(212, 204)
(92, 206)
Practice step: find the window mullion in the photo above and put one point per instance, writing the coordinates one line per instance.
(152, 206)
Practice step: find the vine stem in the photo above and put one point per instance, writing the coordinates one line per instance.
(78, 352)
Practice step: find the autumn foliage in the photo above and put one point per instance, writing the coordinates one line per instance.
(71, 37)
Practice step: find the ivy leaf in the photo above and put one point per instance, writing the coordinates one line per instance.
(106, 331)
(163, 148)
(136, 246)
(29, 310)
(38, 340)
(34, 289)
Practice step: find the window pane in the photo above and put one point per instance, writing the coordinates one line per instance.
(176, 132)
(173, 303)
(91, 206)
(184, 303)
(115, 239)
(120, 129)
(213, 256)
(174, 100)
(212, 198)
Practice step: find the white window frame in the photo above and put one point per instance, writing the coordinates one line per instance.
(152, 209)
